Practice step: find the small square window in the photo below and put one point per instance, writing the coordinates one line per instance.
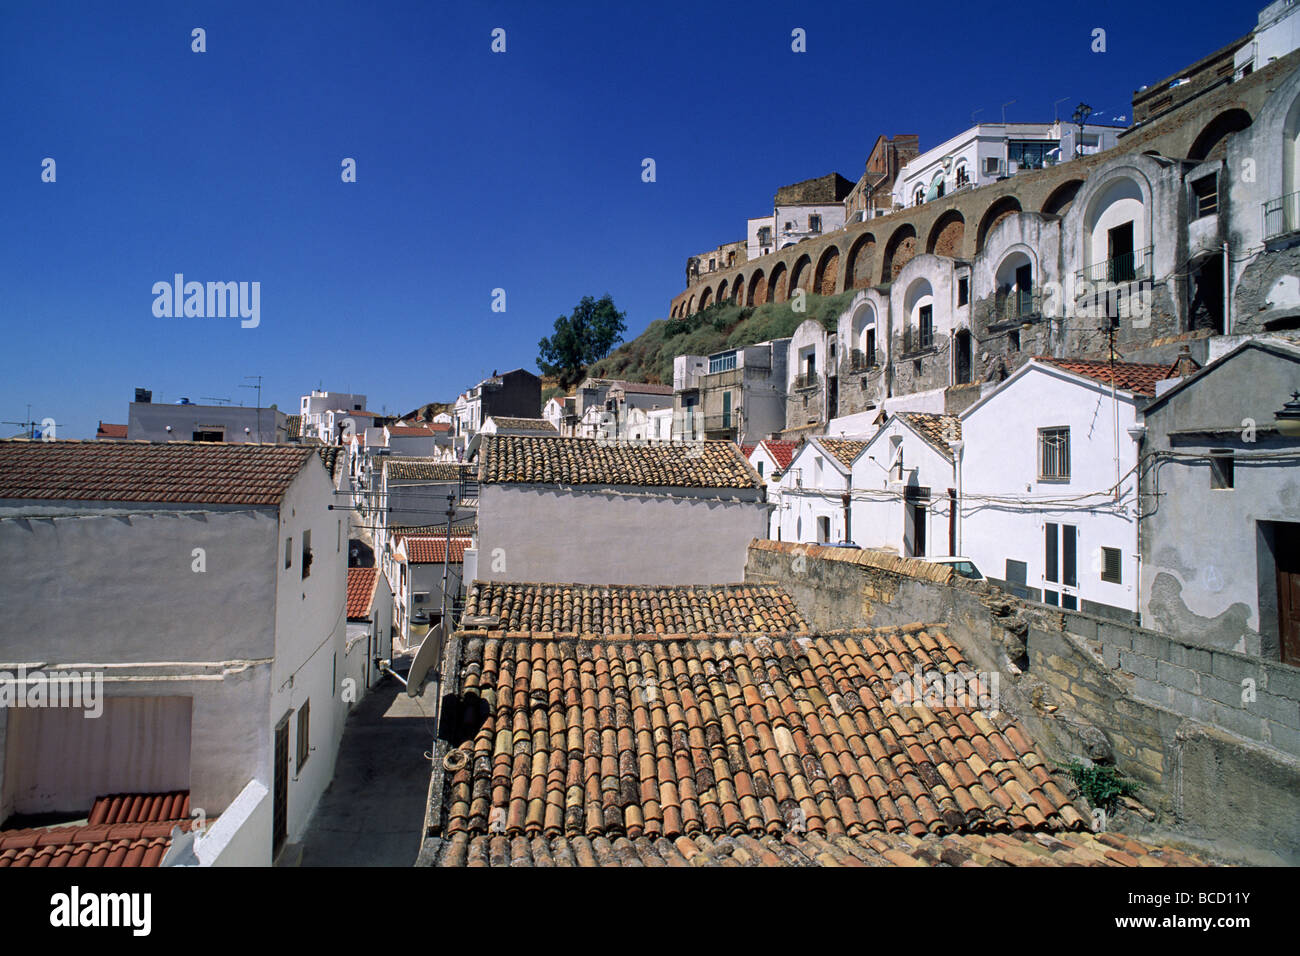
(1110, 565)
(1205, 196)
(1221, 468)
(1054, 453)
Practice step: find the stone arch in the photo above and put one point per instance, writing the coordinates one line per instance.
(946, 235)
(898, 252)
(1212, 139)
(802, 273)
(828, 271)
(738, 289)
(690, 309)
(1058, 202)
(1122, 196)
(998, 211)
(757, 293)
(777, 285)
(706, 298)
(857, 274)
(919, 294)
(722, 291)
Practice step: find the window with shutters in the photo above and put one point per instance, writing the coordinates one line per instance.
(304, 733)
(1110, 565)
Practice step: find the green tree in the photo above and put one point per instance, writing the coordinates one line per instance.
(580, 339)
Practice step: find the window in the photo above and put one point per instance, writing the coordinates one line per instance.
(764, 236)
(918, 197)
(1030, 154)
(871, 347)
(713, 264)
(338, 537)
(823, 529)
(306, 554)
(722, 363)
(288, 552)
(963, 175)
(1013, 341)
(1110, 565)
(1205, 196)
(760, 469)
(208, 436)
(1054, 454)
(1221, 468)
(926, 322)
(992, 165)
(963, 290)
(420, 597)
(304, 733)
(814, 223)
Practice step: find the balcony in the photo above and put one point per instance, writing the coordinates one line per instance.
(719, 423)
(1282, 215)
(1017, 305)
(859, 361)
(1126, 268)
(807, 380)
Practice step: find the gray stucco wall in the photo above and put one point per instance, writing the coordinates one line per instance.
(540, 533)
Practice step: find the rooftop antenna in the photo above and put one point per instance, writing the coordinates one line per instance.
(29, 427)
(972, 115)
(258, 386)
(1004, 111)
(219, 401)
(1056, 116)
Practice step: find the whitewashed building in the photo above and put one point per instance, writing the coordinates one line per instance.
(204, 586)
(610, 512)
(904, 486)
(770, 458)
(815, 492)
(1047, 482)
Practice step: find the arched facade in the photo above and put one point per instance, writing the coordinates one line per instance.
(862, 254)
(777, 286)
(1058, 202)
(802, 273)
(898, 252)
(757, 293)
(946, 235)
(706, 298)
(996, 212)
(1211, 141)
(828, 271)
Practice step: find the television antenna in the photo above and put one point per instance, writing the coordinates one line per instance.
(258, 386)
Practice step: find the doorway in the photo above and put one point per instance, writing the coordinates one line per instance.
(916, 504)
(1120, 249)
(1286, 545)
(280, 807)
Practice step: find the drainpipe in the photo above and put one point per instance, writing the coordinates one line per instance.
(1137, 432)
(1227, 292)
(954, 500)
(846, 499)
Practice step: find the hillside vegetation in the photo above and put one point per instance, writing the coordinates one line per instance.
(721, 326)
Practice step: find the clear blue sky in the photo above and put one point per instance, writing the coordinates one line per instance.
(475, 170)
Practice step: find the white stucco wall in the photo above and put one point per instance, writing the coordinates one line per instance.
(1001, 461)
(879, 519)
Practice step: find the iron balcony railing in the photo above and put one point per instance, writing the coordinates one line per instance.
(1018, 304)
(1126, 268)
(859, 360)
(1282, 215)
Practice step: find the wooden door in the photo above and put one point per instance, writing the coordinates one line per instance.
(1287, 542)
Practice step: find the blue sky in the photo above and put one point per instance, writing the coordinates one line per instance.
(475, 170)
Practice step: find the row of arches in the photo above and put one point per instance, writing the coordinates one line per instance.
(861, 267)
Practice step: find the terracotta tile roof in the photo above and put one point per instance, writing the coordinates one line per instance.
(361, 592)
(636, 609)
(429, 549)
(524, 424)
(752, 735)
(140, 807)
(292, 426)
(126, 829)
(411, 431)
(876, 849)
(525, 459)
(110, 431)
(165, 472)
(782, 450)
(937, 430)
(844, 449)
(747, 448)
(425, 469)
(1135, 377)
(332, 456)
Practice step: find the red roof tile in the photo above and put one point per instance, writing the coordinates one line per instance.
(429, 549)
(106, 430)
(141, 807)
(361, 592)
(165, 472)
(782, 451)
(1134, 377)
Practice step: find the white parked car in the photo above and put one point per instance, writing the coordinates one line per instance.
(963, 566)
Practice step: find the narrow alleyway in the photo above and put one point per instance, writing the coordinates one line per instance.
(372, 814)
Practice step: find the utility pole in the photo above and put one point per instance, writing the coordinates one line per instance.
(446, 563)
(29, 426)
(258, 386)
(1109, 330)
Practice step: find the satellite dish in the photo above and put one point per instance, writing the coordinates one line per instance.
(427, 658)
